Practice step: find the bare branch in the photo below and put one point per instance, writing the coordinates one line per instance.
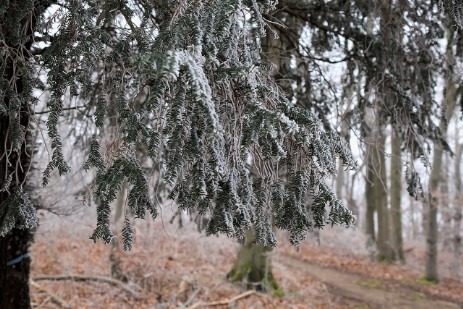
(109, 280)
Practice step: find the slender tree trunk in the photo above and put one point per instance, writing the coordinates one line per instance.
(448, 106)
(424, 219)
(341, 176)
(445, 206)
(458, 215)
(376, 196)
(431, 228)
(115, 253)
(380, 196)
(390, 20)
(370, 202)
(370, 137)
(396, 190)
(414, 228)
(340, 179)
(351, 202)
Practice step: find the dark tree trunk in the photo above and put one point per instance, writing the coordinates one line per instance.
(396, 189)
(14, 279)
(14, 246)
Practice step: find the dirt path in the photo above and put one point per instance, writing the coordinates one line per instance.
(371, 292)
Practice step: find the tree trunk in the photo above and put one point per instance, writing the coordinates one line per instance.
(370, 203)
(370, 136)
(340, 179)
(445, 206)
(431, 228)
(253, 267)
(253, 263)
(115, 254)
(15, 262)
(341, 176)
(380, 195)
(376, 197)
(448, 106)
(414, 226)
(396, 190)
(457, 217)
(14, 247)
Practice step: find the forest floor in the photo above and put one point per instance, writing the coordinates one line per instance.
(181, 268)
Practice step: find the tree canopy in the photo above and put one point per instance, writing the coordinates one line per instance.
(189, 90)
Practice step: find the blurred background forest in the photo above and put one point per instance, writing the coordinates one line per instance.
(385, 75)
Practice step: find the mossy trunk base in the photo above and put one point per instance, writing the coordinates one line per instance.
(253, 269)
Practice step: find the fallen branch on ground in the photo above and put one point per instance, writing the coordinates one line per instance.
(109, 280)
(222, 302)
(56, 299)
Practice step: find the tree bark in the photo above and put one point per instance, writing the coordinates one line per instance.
(253, 267)
(445, 206)
(380, 195)
(370, 203)
(414, 226)
(448, 106)
(14, 247)
(370, 136)
(376, 188)
(431, 273)
(396, 190)
(458, 215)
(14, 278)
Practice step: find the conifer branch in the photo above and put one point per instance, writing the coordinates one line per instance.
(64, 109)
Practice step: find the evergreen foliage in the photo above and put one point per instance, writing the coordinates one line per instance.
(391, 68)
(213, 118)
(17, 211)
(454, 8)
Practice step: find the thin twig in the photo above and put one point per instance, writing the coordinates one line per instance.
(109, 280)
(222, 302)
(64, 109)
(190, 299)
(56, 299)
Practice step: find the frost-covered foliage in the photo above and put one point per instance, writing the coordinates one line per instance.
(454, 8)
(389, 57)
(228, 141)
